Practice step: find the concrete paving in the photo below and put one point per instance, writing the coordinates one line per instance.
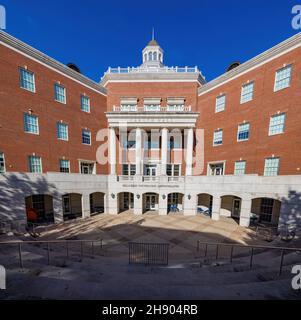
(108, 275)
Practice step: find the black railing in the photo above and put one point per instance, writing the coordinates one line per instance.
(50, 245)
(148, 253)
(251, 252)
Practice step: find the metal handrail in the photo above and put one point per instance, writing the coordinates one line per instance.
(48, 242)
(251, 247)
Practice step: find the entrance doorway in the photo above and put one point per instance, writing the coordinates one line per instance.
(150, 202)
(236, 208)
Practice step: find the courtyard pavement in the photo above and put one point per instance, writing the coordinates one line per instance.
(181, 232)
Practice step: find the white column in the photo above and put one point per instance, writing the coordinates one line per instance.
(245, 213)
(86, 205)
(216, 206)
(189, 152)
(190, 205)
(58, 209)
(164, 151)
(138, 151)
(112, 151)
(138, 204)
(163, 204)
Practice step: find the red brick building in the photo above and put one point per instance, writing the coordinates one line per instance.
(56, 126)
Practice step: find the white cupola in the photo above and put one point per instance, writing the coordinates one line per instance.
(152, 55)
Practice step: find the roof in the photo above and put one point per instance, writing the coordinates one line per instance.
(153, 43)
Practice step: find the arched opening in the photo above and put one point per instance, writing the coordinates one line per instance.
(175, 203)
(160, 57)
(39, 209)
(72, 206)
(97, 203)
(266, 210)
(150, 203)
(155, 56)
(204, 205)
(230, 207)
(145, 57)
(125, 202)
(150, 56)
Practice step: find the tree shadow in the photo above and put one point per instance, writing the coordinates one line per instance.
(14, 188)
(290, 217)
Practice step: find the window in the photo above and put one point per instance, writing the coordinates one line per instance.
(152, 141)
(87, 168)
(243, 132)
(2, 163)
(35, 164)
(27, 80)
(59, 93)
(218, 137)
(62, 131)
(247, 92)
(31, 124)
(85, 103)
(173, 170)
(216, 169)
(240, 168)
(86, 137)
(266, 209)
(277, 124)
(283, 78)
(271, 167)
(128, 169)
(65, 166)
(220, 103)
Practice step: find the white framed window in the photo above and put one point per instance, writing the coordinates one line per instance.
(35, 164)
(85, 103)
(271, 167)
(27, 80)
(220, 103)
(86, 136)
(128, 169)
(64, 166)
(2, 163)
(277, 124)
(247, 92)
(243, 133)
(283, 78)
(173, 170)
(59, 93)
(87, 167)
(31, 123)
(240, 168)
(218, 137)
(216, 169)
(62, 131)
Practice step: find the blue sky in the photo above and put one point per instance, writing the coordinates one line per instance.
(97, 34)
